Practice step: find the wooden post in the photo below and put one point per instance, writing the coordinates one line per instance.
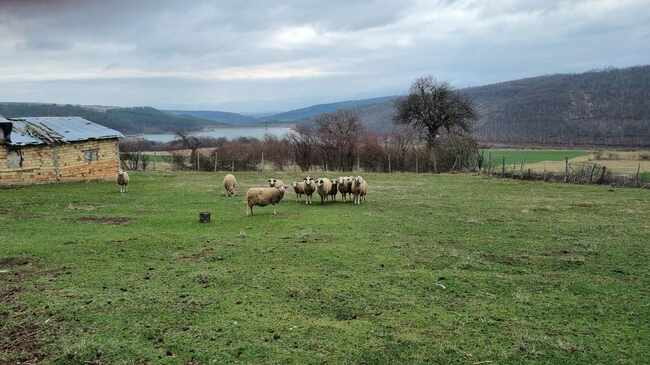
(197, 160)
(503, 167)
(262, 161)
(216, 158)
(638, 175)
(416, 164)
(233, 166)
(566, 169)
(390, 171)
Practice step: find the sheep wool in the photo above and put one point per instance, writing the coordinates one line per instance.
(359, 189)
(123, 181)
(230, 185)
(262, 197)
(310, 187)
(299, 189)
(324, 185)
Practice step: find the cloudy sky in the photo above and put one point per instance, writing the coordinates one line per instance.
(258, 56)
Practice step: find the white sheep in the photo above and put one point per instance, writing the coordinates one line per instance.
(343, 187)
(123, 181)
(263, 197)
(230, 185)
(275, 183)
(310, 187)
(359, 189)
(323, 186)
(299, 189)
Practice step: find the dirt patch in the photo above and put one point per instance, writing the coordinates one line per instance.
(106, 220)
(20, 335)
(15, 261)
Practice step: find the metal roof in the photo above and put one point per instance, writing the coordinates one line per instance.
(49, 130)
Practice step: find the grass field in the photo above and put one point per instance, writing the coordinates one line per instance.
(448, 269)
(530, 156)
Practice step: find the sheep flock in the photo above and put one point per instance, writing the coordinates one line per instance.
(351, 188)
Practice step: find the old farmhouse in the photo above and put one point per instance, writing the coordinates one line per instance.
(51, 149)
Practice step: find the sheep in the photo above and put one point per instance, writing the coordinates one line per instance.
(299, 189)
(324, 185)
(334, 189)
(310, 187)
(230, 185)
(275, 183)
(123, 181)
(343, 187)
(263, 197)
(359, 189)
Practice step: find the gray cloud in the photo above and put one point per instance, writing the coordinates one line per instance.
(254, 55)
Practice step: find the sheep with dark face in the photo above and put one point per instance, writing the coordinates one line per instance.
(123, 181)
(263, 197)
(343, 187)
(299, 189)
(310, 187)
(359, 189)
(334, 189)
(229, 185)
(323, 186)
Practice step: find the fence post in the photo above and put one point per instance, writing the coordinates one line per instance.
(566, 169)
(233, 166)
(503, 167)
(416, 164)
(390, 171)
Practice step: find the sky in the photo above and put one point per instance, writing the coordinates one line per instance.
(267, 56)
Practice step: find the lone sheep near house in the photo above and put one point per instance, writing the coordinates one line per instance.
(263, 197)
(230, 185)
(359, 189)
(299, 189)
(123, 181)
(310, 187)
(324, 185)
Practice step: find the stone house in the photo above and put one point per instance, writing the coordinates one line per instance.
(36, 150)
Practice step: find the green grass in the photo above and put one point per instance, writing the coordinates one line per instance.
(645, 177)
(530, 156)
(448, 269)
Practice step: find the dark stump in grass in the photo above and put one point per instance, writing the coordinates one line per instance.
(204, 217)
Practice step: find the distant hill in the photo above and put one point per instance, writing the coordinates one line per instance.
(126, 120)
(218, 116)
(315, 110)
(608, 107)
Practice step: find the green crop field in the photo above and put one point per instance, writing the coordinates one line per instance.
(530, 156)
(447, 269)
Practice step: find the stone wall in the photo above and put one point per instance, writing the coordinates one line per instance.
(80, 161)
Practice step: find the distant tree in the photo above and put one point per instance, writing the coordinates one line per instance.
(303, 144)
(432, 105)
(339, 134)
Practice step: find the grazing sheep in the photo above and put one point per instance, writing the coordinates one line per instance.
(263, 197)
(123, 181)
(359, 189)
(299, 189)
(230, 185)
(324, 185)
(310, 187)
(343, 187)
(334, 189)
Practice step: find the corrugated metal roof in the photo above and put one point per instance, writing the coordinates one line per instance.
(47, 130)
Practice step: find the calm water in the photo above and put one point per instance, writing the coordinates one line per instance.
(230, 133)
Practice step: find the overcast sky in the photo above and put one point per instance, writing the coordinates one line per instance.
(257, 56)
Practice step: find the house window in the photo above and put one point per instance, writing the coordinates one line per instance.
(15, 159)
(91, 155)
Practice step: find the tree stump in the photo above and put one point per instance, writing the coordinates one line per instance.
(204, 217)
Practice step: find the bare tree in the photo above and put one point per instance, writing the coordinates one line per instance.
(432, 106)
(339, 134)
(303, 144)
(191, 143)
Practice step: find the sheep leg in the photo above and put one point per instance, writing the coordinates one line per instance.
(274, 212)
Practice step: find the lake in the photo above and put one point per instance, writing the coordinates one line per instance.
(227, 132)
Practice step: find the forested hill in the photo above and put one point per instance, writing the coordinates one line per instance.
(126, 120)
(609, 107)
